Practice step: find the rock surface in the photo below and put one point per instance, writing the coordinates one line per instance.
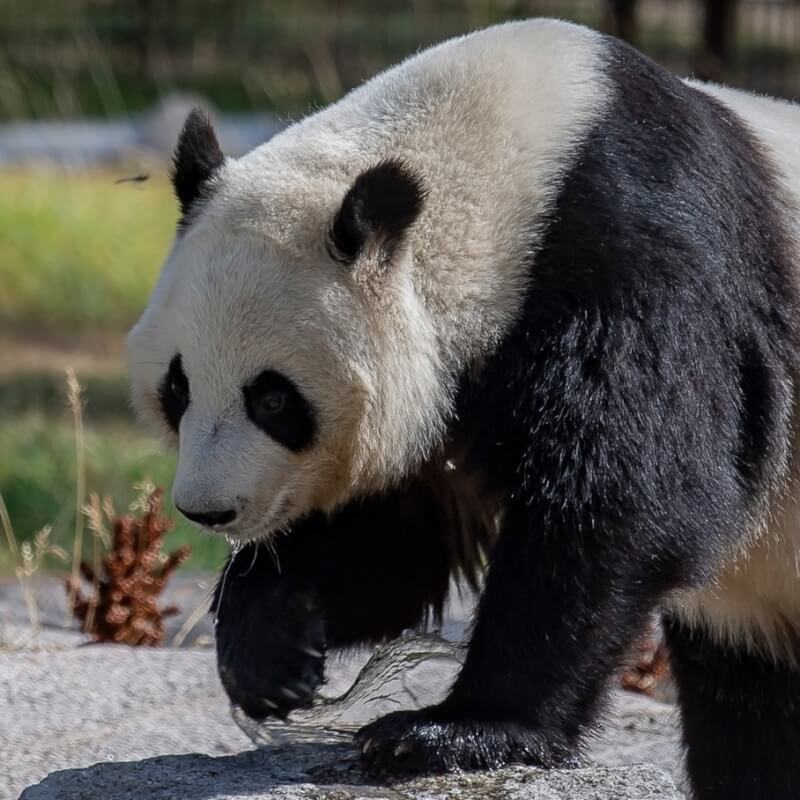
(148, 136)
(146, 714)
(100, 721)
(327, 773)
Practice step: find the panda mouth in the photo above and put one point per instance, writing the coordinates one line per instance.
(269, 523)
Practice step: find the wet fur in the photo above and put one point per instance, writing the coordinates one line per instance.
(381, 565)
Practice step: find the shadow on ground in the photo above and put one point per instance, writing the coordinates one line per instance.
(329, 771)
(290, 770)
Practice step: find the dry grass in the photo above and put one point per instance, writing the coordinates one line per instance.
(30, 557)
(75, 401)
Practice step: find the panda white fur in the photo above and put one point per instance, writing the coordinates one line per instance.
(527, 299)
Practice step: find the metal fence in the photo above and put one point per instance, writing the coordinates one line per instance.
(68, 58)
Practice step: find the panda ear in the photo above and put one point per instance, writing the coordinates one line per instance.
(197, 158)
(376, 213)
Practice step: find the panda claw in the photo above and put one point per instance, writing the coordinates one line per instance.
(289, 694)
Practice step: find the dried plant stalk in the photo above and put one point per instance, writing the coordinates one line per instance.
(75, 401)
(123, 606)
(31, 558)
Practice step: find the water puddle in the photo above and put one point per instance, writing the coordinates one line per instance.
(413, 671)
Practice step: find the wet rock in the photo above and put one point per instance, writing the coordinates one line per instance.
(327, 772)
(160, 726)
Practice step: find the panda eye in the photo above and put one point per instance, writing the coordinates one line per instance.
(273, 402)
(179, 387)
(275, 405)
(173, 393)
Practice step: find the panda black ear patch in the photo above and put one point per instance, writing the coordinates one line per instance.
(197, 158)
(376, 212)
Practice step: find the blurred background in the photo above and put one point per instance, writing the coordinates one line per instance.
(92, 94)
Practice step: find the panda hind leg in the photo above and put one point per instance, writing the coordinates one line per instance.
(740, 711)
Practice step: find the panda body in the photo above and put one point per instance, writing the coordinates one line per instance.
(758, 589)
(527, 299)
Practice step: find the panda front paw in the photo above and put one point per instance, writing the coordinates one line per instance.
(434, 741)
(271, 659)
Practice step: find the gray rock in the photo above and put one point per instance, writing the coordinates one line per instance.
(146, 138)
(147, 714)
(638, 730)
(73, 708)
(329, 772)
(160, 725)
(158, 128)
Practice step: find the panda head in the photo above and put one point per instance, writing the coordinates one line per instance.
(285, 348)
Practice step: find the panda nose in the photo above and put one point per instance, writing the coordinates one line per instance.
(209, 518)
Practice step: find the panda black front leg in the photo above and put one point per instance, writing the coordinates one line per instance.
(270, 636)
(609, 509)
(364, 574)
(557, 612)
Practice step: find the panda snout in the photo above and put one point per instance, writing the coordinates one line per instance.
(209, 519)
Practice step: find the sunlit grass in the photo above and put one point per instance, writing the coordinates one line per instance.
(79, 256)
(79, 252)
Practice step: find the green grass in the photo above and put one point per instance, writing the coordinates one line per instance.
(37, 479)
(38, 92)
(107, 396)
(78, 258)
(79, 253)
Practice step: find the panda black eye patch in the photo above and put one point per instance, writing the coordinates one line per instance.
(173, 393)
(275, 405)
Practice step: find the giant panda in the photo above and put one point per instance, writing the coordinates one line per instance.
(525, 302)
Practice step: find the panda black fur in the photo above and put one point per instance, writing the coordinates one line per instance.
(526, 298)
